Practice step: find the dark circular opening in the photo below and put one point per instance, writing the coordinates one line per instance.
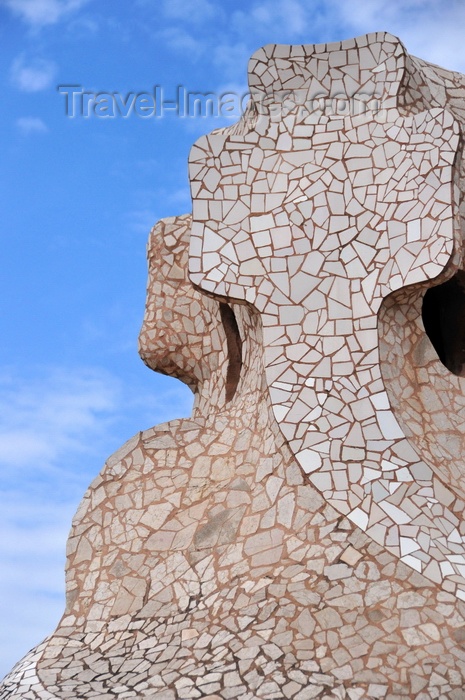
(443, 315)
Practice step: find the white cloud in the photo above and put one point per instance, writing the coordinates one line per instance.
(170, 199)
(289, 18)
(181, 197)
(43, 421)
(181, 41)
(33, 528)
(171, 203)
(53, 433)
(83, 27)
(430, 29)
(50, 430)
(50, 427)
(192, 11)
(374, 12)
(31, 125)
(290, 13)
(233, 59)
(39, 13)
(32, 75)
(141, 220)
(32, 585)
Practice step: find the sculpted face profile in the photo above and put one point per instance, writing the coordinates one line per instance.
(301, 534)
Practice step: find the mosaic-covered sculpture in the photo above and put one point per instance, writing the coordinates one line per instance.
(314, 221)
(301, 535)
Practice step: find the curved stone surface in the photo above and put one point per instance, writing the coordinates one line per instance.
(335, 214)
(202, 561)
(201, 564)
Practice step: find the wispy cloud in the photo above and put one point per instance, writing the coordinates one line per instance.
(170, 199)
(50, 429)
(83, 26)
(430, 29)
(290, 18)
(39, 13)
(32, 558)
(32, 75)
(378, 11)
(180, 40)
(233, 59)
(55, 434)
(141, 220)
(49, 426)
(191, 11)
(45, 420)
(31, 125)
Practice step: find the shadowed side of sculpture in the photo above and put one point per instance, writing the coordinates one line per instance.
(234, 344)
(443, 314)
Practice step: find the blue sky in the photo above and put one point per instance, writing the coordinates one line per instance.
(77, 199)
